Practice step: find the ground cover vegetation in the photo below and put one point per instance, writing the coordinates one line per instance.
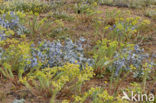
(77, 51)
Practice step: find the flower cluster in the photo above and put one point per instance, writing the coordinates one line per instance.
(125, 28)
(86, 7)
(128, 3)
(54, 79)
(10, 23)
(16, 54)
(27, 6)
(115, 56)
(104, 53)
(133, 60)
(98, 95)
(56, 54)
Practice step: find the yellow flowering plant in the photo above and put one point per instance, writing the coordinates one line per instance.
(104, 52)
(9, 15)
(125, 29)
(26, 6)
(53, 80)
(37, 25)
(8, 32)
(16, 56)
(146, 71)
(98, 95)
(135, 87)
(88, 9)
(6, 71)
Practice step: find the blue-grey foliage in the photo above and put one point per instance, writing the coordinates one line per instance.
(136, 57)
(57, 54)
(13, 23)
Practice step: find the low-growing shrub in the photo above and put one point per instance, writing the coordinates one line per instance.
(133, 61)
(15, 57)
(98, 95)
(47, 54)
(50, 81)
(84, 8)
(117, 57)
(151, 13)
(63, 15)
(26, 6)
(11, 23)
(128, 3)
(56, 54)
(104, 53)
(125, 29)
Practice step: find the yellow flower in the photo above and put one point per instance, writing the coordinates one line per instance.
(65, 101)
(30, 13)
(23, 36)
(107, 27)
(120, 27)
(134, 31)
(128, 19)
(78, 98)
(132, 67)
(134, 22)
(137, 18)
(118, 12)
(99, 12)
(2, 11)
(36, 14)
(146, 22)
(122, 19)
(95, 4)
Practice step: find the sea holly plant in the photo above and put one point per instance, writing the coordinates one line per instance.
(56, 54)
(28, 57)
(104, 53)
(116, 57)
(133, 61)
(11, 23)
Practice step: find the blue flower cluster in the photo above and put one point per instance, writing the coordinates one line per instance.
(56, 54)
(12, 22)
(135, 57)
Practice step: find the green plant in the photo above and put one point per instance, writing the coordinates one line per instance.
(135, 88)
(27, 6)
(151, 13)
(126, 29)
(63, 16)
(84, 8)
(128, 3)
(52, 80)
(104, 52)
(15, 57)
(6, 71)
(146, 72)
(98, 95)
(38, 26)
(58, 30)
